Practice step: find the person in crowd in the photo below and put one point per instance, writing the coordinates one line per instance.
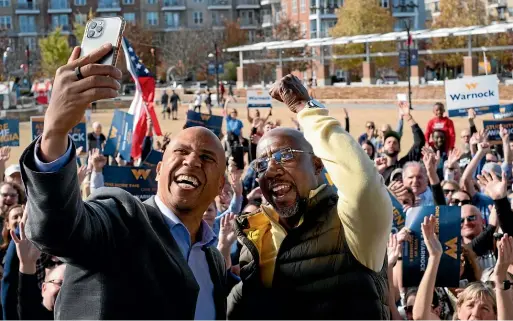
(164, 241)
(210, 215)
(96, 139)
(449, 187)
(369, 149)
(231, 93)
(164, 101)
(5, 155)
(476, 301)
(392, 146)
(257, 122)
(197, 101)
(233, 125)
(10, 194)
(285, 261)
(441, 123)
(409, 302)
(415, 177)
(208, 101)
(222, 91)
(35, 303)
(13, 174)
(370, 134)
(12, 218)
(174, 105)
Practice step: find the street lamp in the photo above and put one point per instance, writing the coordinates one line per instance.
(211, 55)
(154, 55)
(404, 8)
(5, 61)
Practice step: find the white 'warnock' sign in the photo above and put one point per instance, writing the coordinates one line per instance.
(259, 98)
(473, 92)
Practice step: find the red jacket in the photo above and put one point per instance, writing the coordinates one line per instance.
(444, 124)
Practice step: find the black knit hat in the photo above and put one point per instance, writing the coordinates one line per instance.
(394, 134)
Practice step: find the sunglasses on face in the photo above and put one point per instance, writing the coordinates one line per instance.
(458, 202)
(469, 219)
(447, 191)
(370, 126)
(281, 157)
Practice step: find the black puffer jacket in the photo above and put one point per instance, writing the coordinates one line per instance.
(316, 276)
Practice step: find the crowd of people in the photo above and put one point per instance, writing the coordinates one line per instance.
(246, 227)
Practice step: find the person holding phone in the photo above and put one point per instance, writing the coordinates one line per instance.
(126, 259)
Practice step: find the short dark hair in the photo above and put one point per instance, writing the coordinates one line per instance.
(439, 104)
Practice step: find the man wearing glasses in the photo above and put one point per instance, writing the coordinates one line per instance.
(313, 254)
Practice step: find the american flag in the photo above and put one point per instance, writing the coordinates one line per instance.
(143, 99)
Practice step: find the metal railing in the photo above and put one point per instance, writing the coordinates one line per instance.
(219, 2)
(105, 4)
(173, 3)
(27, 5)
(248, 2)
(59, 4)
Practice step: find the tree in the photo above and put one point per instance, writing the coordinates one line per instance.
(288, 30)
(230, 71)
(55, 52)
(234, 36)
(79, 28)
(360, 17)
(456, 13)
(142, 41)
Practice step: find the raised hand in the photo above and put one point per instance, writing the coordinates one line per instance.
(394, 249)
(496, 188)
(235, 175)
(453, 158)
(346, 114)
(254, 194)
(505, 259)
(97, 160)
(381, 164)
(492, 219)
(504, 133)
(82, 174)
(290, 91)
(404, 108)
(5, 154)
(27, 252)
(227, 235)
(483, 147)
(430, 161)
(471, 114)
(397, 189)
(430, 238)
(80, 149)
(71, 96)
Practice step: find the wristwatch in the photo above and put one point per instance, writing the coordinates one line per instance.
(312, 103)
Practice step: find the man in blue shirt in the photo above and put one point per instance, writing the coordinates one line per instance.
(126, 259)
(233, 125)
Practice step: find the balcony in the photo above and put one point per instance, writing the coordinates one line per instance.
(173, 5)
(248, 4)
(268, 2)
(108, 6)
(59, 6)
(248, 24)
(219, 5)
(326, 12)
(27, 8)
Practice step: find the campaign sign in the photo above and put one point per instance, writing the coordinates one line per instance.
(505, 111)
(259, 99)
(326, 179)
(153, 158)
(78, 133)
(403, 57)
(491, 127)
(212, 68)
(212, 122)
(480, 93)
(120, 135)
(138, 181)
(415, 253)
(9, 132)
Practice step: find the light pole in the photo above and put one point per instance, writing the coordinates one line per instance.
(404, 7)
(215, 56)
(5, 60)
(154, 55)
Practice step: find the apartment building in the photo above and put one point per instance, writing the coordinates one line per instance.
(497, 10)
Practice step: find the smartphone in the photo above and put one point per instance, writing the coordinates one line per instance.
(238, 156)
(100, 31)
(253, 130)
(402, 97)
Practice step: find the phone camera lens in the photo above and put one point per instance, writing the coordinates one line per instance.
(90, 34)
(99, 28)
(93, 25)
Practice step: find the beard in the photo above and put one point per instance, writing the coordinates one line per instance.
(298, 207)
(391, 154)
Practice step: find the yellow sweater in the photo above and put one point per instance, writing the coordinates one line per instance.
(364, 206)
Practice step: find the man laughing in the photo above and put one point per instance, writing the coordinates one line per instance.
(313, 254)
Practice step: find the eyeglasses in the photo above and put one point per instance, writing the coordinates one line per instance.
(447, 191)
(469, 219)
(55, 282)
(282, 156)
(9, 194)
(370, 126)
(455, 201)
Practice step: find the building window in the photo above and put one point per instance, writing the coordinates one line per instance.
(197, 17)
(128, 1)
(81, 18)
(60, 20)
(198, 1)
(172, 19)
(27, 24)
(5, 22)
(217, 18)
(302, 6)
(151, 1)
(385, 3)
(152, 18)
(129, 17)
(5, 3)
(30, 42)
(294, 6)
(80, 2)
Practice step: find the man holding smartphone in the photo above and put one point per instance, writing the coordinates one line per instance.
(126, 259)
